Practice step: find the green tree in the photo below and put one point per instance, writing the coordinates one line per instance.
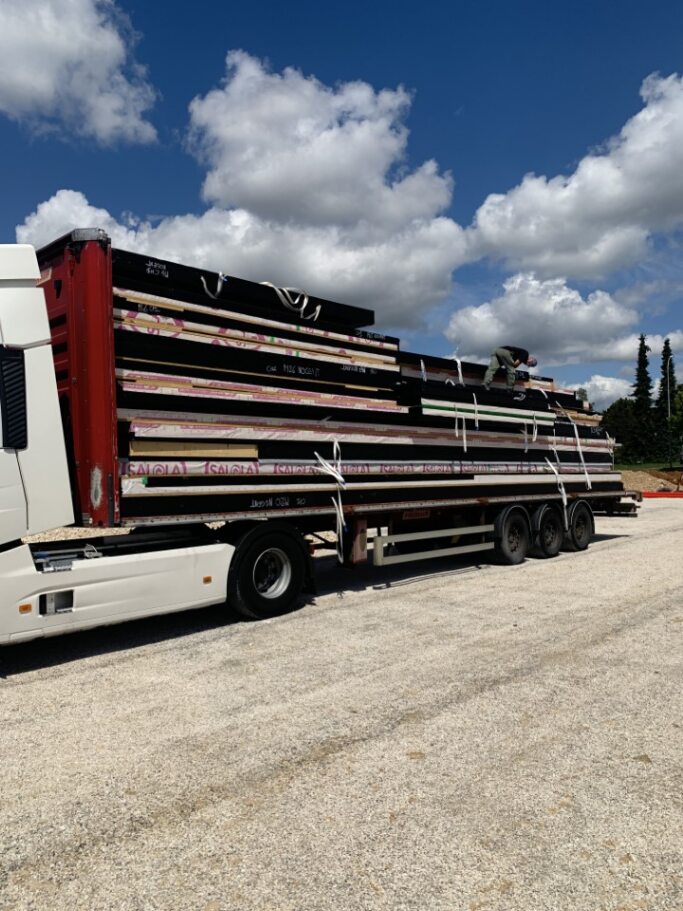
(642, 388)
(620, 422)
(677, 425)
(667, 384)
(642, 445)
(665, 405)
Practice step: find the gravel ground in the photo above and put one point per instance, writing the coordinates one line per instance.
(73, 532)
(494, 738)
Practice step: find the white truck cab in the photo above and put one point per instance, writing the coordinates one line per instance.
(34, 479)
(69, 585)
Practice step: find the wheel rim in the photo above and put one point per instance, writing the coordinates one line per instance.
(515, 537)
(549, 534)
(272, 573)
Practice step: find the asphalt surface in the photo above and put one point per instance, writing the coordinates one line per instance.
(437, 737)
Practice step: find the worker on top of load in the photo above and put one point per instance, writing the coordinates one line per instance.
(509, 357)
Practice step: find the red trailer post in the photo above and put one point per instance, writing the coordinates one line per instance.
(77, 280)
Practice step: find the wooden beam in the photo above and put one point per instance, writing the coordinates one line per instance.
(155, 324)
(166, 303)
(193, 449)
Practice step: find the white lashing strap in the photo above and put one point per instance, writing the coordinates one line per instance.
(458, 364)
(423, 371)
(476, 411)
(222, 278)
(457, 429)
(578, 447)
(554, 447)
(297, 304)
(341, 525)
(335, 471)
(563, 493)
(540, 389)
(534, 433)
(583, 461)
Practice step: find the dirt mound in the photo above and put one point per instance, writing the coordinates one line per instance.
(650, 480)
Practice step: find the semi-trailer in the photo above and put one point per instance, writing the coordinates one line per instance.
(233, 426)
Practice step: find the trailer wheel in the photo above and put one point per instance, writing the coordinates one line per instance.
(581, 526)
(513, 535)
(267, 573)
(548, 531)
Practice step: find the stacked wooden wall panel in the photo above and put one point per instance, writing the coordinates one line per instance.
(225, 403)
(229, 408)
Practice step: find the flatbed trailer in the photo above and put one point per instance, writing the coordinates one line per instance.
(69, 455)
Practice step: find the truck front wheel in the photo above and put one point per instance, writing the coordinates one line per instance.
(267, 573)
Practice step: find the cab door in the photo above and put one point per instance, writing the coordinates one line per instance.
(35, 493)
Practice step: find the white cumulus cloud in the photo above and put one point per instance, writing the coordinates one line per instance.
(601, 216)
(66, 64)
(286, 147)
(603, 390)
(625, 348)
(401, 274)
(307, 187)
(548, 317)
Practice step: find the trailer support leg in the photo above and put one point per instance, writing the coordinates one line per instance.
(357, 551)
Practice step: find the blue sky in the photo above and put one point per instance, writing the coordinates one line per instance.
(353, 150)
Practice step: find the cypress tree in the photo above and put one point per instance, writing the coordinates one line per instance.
(668, 376)
(641, 445)
(642, 388)
(665, 404)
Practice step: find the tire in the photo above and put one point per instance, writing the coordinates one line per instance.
(548, 531)
(581, 526)
(267, 573)
(513, 536)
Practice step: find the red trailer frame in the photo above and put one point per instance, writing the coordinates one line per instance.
(77, 281)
